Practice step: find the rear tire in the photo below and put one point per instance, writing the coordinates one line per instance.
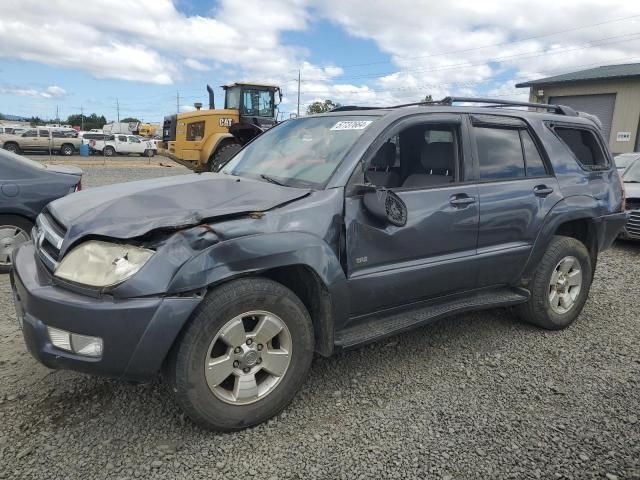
(560, 286)
(67, 150)
(12, 147)
(246, 391)
(149, 153)
(14, 230)
(109, 151)
(223, 155)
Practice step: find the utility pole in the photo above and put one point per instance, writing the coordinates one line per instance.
(57, 116)
(177, 101)
(81, 119)
(118, 109)
(298, 92)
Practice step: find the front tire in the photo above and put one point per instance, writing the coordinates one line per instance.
(560, 285)
(223, 155)
(149, 153)
(243, 357)
(12, 147)
(109, 151)
(14, 231)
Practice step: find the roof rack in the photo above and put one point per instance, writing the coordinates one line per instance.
(493, 102)
(561, 109)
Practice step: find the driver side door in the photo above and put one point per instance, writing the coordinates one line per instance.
(423, 161)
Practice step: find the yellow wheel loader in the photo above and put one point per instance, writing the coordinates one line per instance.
(205, 140)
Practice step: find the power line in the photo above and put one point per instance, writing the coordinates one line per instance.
(465, 84)
(451, 52)
(500, 59)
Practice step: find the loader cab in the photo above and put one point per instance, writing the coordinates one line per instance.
(256, 104)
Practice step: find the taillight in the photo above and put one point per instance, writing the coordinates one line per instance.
(78, 185)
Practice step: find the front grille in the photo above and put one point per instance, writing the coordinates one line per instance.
(633, 224)
(48, 235)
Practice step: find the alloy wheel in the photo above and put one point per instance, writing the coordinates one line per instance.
(248, 357)
(565, 285)
(10, 238)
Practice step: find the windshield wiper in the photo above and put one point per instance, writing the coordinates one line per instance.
(631, 181)
(272, 180)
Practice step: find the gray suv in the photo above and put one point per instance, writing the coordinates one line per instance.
(325, 232)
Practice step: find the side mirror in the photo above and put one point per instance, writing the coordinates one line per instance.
(385, 206)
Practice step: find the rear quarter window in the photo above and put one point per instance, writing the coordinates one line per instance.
(584, 145)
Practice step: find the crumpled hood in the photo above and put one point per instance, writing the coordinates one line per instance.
(129, 210)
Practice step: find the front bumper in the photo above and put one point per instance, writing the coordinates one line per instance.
(137, 332)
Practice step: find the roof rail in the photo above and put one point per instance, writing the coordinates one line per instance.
(347, 108)
(561, 109)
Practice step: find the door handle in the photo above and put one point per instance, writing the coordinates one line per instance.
(542, 190)
(461, 200)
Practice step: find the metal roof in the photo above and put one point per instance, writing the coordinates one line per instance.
(607, 72)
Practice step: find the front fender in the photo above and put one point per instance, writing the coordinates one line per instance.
(577, 207)
(254, 254)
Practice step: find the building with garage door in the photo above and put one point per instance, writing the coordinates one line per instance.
(611, 92)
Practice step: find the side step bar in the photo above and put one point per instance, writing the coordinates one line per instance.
(378, 327)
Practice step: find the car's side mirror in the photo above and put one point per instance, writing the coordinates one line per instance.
(385, 206)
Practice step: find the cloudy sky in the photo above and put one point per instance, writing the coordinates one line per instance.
(71, 54)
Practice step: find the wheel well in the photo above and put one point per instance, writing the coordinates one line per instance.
(310, 289)
(584, 231)
(221, 144)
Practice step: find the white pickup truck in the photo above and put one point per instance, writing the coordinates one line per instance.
(123, 145)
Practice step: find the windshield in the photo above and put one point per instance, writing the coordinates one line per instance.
(624, 160)
(632, 174)
(299, 153)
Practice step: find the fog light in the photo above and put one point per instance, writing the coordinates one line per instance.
(75, 343)
(60, 339)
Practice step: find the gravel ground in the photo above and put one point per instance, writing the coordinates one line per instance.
(475, 396)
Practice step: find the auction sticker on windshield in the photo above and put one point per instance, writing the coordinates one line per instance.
(352, 125)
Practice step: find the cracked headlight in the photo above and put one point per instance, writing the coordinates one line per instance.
(102, 264)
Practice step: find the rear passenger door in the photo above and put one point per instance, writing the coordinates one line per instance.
(516, 189)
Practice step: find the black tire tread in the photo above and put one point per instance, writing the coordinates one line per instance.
(535, 311)
(214, 301)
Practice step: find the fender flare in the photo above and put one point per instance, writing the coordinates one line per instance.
(251, 255)
(212, 144)
(578, 207)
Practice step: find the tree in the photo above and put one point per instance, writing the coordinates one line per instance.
(321, 107)
(130, 120)
(90, 121)
(1, 116)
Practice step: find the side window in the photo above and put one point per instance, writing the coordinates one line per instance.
(584, 146)
(122, 138)
(134, 140)
(532, 157)
(43, 133)
(418, 156)
(499, 153)
(195, 131)
(30, 133)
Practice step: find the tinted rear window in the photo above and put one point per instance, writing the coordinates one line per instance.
(499, 153)
(584, 145)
